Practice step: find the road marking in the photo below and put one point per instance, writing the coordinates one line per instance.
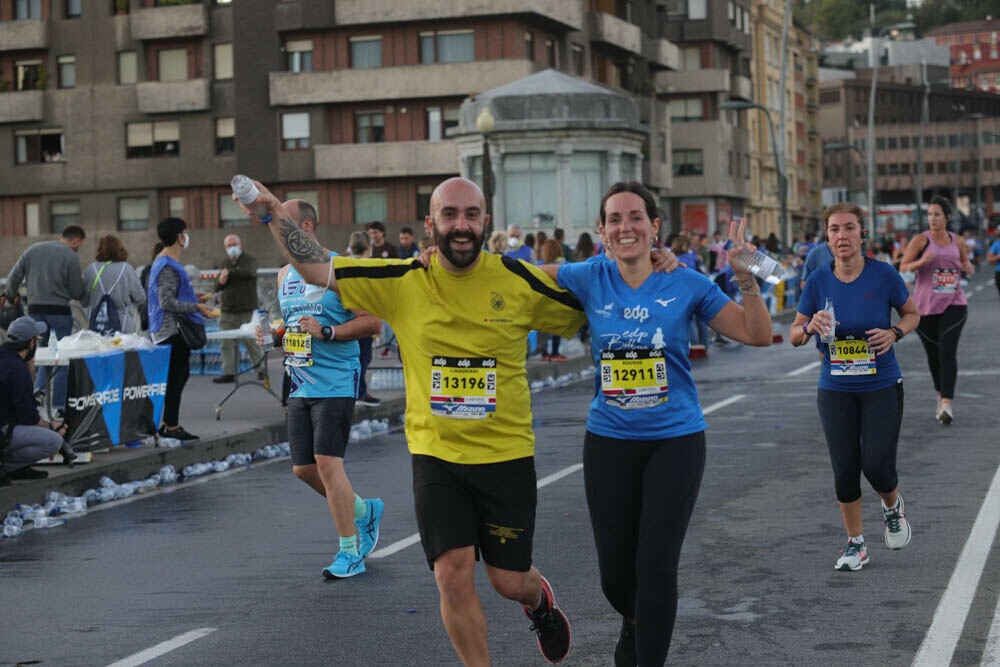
(162, 648)
(991, 654)
(949, 617)
(804, 369)
(721, 404)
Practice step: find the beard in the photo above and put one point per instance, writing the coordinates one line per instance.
(460, 259)
(31, 353)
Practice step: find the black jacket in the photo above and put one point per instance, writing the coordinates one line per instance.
(17, 394)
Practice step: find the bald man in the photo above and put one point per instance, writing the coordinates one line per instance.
(237, 285)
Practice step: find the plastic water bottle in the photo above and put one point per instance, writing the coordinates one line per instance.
(247, 193)
(170, 443)
(828, 338)
(10, 530)
(267, 338)
(759, 264)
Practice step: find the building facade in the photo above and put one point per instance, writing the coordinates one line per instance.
(974, 53)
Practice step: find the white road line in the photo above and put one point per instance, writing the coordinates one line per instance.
(162, 648)
(949, 617)
(991, 654)
(804, 369)
(398, 546)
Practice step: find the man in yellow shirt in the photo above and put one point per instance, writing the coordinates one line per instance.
(462, 324)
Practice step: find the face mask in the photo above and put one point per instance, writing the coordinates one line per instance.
(187, 240)
(234, 251)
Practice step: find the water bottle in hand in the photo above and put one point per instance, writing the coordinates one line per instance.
(758, 263)
(828, 337)
(247, 193)
(267, 338)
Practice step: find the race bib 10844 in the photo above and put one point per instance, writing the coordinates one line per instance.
(634, 378)
(463, 387)
(851, 356)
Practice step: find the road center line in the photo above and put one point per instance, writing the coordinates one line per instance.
(803, 369)
(162, 648)
(949, 617)
(721, 404)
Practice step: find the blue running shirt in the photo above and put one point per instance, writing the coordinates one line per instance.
(866, 303)
(639, 341)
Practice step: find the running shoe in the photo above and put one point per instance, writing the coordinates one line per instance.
(853, 557)
(625, 648)
(897, 528)
(344, 565)
(551, 626)
(370, 401)
(368, 525)
(946, 417)
(557, 357)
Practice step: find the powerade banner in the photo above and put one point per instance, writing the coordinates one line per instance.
(116, 396)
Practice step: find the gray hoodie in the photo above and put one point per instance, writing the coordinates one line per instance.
(51, 272)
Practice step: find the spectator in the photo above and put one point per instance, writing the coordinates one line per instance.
(498, 243)
(359, 245)
(24, 436)
(560, 236)
(551, 252)
(237, 286)
(113, 277)
(379, 246)
(407, 247)
(51, 273)
(584, 248)
(515, 247)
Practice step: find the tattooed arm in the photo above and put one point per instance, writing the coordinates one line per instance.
(304, 252)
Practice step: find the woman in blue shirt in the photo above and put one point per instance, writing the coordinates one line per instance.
(860, 393)
(644, 450)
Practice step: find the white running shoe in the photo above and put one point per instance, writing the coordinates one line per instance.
(897, 528)
(852, 557)
(946, 417)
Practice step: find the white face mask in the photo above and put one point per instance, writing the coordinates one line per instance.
(187, 240)
(234, 251)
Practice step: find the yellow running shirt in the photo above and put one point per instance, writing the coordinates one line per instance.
(463, 340)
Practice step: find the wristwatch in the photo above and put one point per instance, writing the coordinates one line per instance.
(899, 333)
(328, 333)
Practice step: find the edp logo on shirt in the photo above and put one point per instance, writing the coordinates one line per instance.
(640, 313)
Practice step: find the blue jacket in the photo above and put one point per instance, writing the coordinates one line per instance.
(184, 293)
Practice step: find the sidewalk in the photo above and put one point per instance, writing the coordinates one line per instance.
(251, 419)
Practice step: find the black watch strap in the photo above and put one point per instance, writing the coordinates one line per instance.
(899, 333)
(327, 333)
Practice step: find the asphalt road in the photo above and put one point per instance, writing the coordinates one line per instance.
(226, 570)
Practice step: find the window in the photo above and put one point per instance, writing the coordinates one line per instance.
(366, 52)
(311, 196)
(942, 168)
(529, 45)
(369, 204)
(62, 214)
(133, 213)
(225, 136)
(688, 162)
(73, 9)
(893, 144)
(39, 146)
(223, 57)
(880, 143)
(663, 147)
(940, 140)
(550, 53)
(175, 206)
(690, 57)
(697, 9)
(686, 110)
(369, 127)
(447, 47)
(32, 218)
(530, 187)
(152, 139)
(230, 213)
(67, 71)
(27, 9)
(172, 64)
(576, 53)
(128, 67)
(294, 131)
(300, 55)
(439, 122)
(904, 142)
(928, 167)
(28, 75)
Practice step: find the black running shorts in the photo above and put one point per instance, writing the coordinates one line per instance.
(490, 506)
(318, 426)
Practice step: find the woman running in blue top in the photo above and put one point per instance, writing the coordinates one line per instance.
(860, 393)
(644, 450)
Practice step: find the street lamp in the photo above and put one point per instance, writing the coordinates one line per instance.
(875, 56)
(786, 231)
(485, 124)
(834, 147)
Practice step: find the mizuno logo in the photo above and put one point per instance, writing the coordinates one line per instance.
(665, 302)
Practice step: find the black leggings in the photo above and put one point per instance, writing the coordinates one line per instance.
(641, 495)
(940, 334)
(177, 377)
(862, 431)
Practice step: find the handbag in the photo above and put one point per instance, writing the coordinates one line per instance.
(192, 332)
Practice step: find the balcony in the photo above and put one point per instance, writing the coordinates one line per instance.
(170, 21)
(386, 160)
(394, 83)
(173, 96)
(741, 88)
(693, 81)
(661, 54)
(22, 107)
(608, 29)
(565, 15)
(24, 35)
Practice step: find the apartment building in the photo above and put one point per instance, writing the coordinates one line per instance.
(974, 53)
(800, 145)
(116, 113)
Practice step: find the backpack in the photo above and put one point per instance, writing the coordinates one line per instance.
(104, 317)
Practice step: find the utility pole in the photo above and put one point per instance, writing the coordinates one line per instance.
(918, 190)
(786, 225)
